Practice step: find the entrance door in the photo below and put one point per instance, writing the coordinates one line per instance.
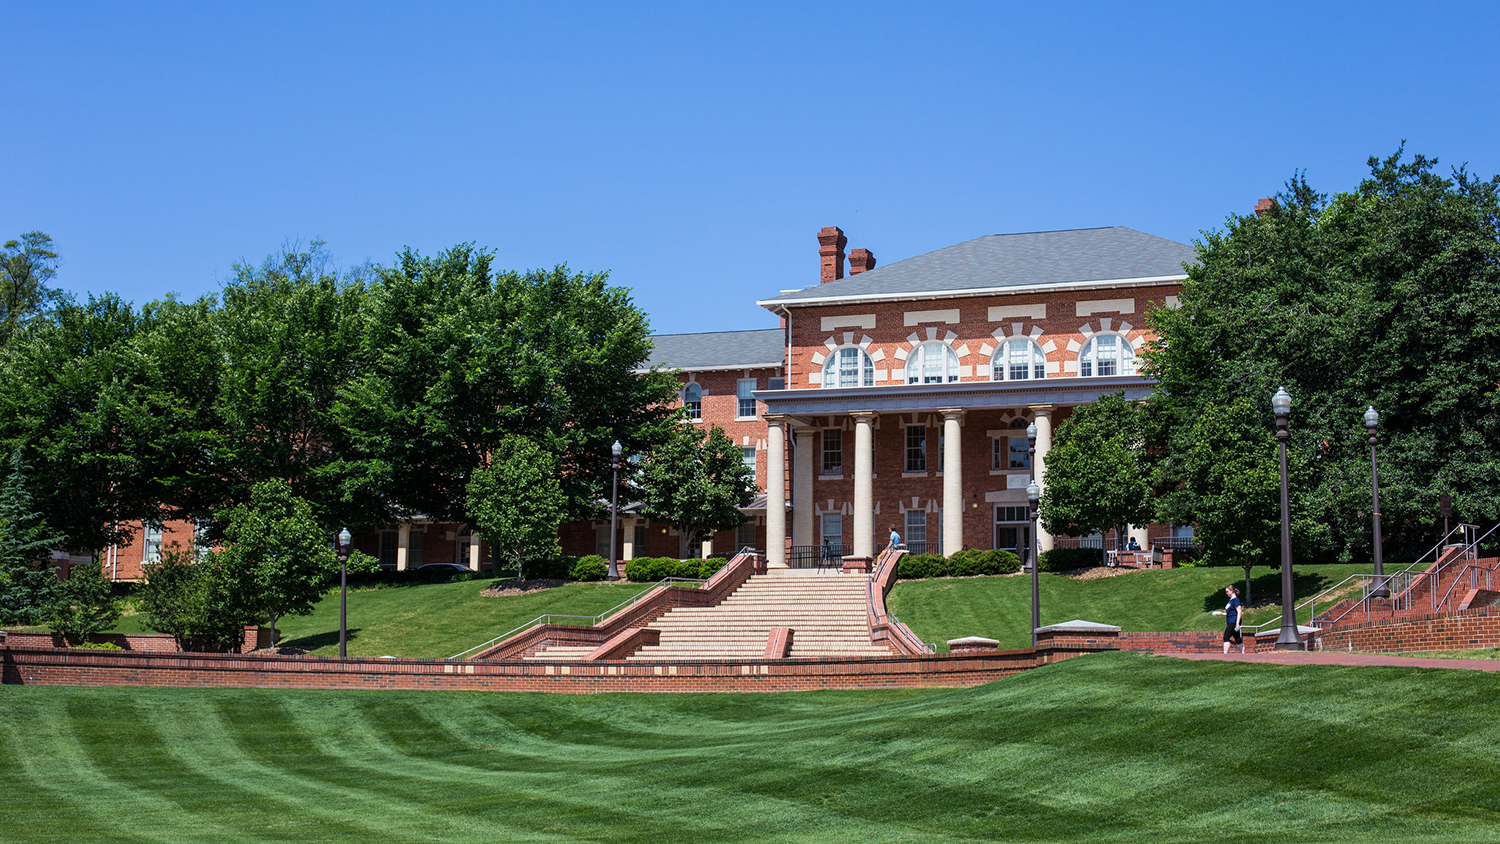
(1013, 529)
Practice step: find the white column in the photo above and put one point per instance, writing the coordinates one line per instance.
(1043, 417)
(708, 548)
(953, 480)
(864, 483)
(803, 459)
(1138, 533)
(403, 543)
(775, 493)
(474, 551)
(627, 542)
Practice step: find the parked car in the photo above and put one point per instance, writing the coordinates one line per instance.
(442, 567)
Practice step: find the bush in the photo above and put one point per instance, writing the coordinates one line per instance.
(548, 568)
(919, 566)
(652, 569)
(1068, 559)
(194, 602)
(98, 646)
(589, 569)
(977, 562)
(83, 606)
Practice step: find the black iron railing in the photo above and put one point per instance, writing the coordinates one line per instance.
(812, 556)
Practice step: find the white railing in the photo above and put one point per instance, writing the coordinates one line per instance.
(1399, 585)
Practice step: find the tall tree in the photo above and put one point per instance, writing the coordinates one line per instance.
(1384, 296)
(289, 331)
(27, 264)
(1097, 471)
(458, 358)
(517, 502)
(27, 581)
(697, 483)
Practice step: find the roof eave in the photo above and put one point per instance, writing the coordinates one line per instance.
(1147, 281)
(728, 367)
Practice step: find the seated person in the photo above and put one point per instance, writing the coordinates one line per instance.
(1133, 545)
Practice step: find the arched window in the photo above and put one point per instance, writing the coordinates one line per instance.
(932, 363)
(1106, 354)
(849, 367)
(1019, 359)
(692, 399)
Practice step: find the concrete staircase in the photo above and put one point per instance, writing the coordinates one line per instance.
(826, 611)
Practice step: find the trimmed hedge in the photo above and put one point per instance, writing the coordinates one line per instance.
(963, 564)
(652, 569)
(1068, 559)
(588, 569)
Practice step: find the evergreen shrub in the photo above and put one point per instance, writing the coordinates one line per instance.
(589, 569)
(1068, 559)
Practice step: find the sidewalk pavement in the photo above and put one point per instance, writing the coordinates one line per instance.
(1342, 658)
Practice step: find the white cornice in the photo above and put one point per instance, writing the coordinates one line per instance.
(1151, 281)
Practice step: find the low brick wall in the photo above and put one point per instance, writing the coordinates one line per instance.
(1197, 642)
(71, 667)
(1476, 628)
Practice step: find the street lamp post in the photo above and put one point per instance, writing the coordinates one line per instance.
(344, 539)
(1372, 421)
(1281, 403)
(1445, 507)
(1033, 495)
(614, 510)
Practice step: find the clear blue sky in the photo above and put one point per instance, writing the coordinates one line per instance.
(694, 149)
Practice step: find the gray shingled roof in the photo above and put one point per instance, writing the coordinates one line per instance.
(760, 347)
(1014, 260)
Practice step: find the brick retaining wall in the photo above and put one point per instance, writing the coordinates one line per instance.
(76, 667)
(1476, 628)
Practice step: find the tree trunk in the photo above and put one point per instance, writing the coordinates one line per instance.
(1247, 586)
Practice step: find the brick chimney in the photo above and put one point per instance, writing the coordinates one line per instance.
(831, 243)
(1264, 206)
(861, 260)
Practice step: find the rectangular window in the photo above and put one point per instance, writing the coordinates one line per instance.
(388, 542)
(1020, 456)
(151, 543)
(916, 530)
(998, 458)
(942, 450)
(743, 390)
(775, 383)
(201, 543)
(833, 451)
(744, 537)
(414, 544)
(747, 454)
(935, 532)
(640, 539)
(1012, 514)
(916, 448)
(833, 529)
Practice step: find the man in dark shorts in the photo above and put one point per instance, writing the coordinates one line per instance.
(1232, 614)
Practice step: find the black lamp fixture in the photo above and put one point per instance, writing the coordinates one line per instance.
(614, 510)
(1372, 422)
(1288, 640)
(344, 540)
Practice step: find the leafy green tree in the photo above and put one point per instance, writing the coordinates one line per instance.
(518, 502)
(84, 605)
(27, 582)
(277, 555)
(1098, 475)
(458, 358)
(290, 332)
(26, 265)
(113, 405)
(196, 602)
(1385, 296)
(697, 483)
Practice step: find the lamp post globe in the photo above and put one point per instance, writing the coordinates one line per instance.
(1033, 497)
(1288, 639)
(614, 509)
(1372, 422)
(344, 540)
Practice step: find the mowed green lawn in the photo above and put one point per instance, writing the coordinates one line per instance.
(432, 620)
(1158, 599)
(1105, 748)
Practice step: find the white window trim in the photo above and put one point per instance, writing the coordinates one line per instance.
(1122, 360)
(866, 372)
(1002, 354)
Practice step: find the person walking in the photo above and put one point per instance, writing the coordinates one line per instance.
(1233, 614)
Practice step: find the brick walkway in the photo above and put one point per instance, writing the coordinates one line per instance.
(1338, 658)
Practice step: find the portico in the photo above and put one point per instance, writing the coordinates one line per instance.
(956, 491)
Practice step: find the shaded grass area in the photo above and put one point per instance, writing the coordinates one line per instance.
(1110, 748)
(431, 620)
(1157, 599)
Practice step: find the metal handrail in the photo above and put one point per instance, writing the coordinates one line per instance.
(1470, 569)
(594, 620)
(883, 561)
(1409, 574)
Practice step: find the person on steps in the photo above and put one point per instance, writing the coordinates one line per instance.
(895, 538)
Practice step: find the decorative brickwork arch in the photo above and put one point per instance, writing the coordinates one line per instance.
(1108, 348)
(929, 335)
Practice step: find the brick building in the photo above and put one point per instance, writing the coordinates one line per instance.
(887, 397)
